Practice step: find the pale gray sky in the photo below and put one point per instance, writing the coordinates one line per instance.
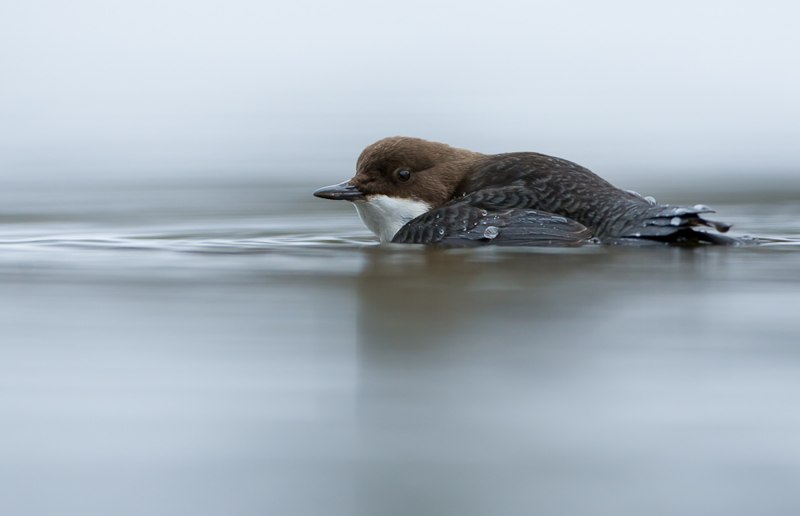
(252, 88)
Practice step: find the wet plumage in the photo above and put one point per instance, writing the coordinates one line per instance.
(521, 198)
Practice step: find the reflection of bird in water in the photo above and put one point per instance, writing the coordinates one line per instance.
(412, 305)
(460, 353)
(409, 190)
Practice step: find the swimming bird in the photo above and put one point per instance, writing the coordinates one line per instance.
(410, 190)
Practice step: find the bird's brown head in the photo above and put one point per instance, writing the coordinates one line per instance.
(406, 168)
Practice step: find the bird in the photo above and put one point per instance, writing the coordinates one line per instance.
(414, 191)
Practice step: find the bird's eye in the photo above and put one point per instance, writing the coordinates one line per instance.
(404, 175)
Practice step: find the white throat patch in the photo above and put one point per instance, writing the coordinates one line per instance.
(385, 215)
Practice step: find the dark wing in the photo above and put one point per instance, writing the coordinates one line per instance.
(672, 224)
(492, 217)
(557, 186)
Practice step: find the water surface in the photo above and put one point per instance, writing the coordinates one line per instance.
(247, 349)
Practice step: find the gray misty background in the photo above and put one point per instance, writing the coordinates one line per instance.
(186, 331)
(180, 90)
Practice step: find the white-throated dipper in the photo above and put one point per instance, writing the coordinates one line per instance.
(409, 190)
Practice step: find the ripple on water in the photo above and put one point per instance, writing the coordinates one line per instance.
(328, 243)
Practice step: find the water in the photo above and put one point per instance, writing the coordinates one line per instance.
(247, 349)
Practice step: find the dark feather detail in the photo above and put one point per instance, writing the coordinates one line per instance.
(462, 223)
(673, 224)
(534, 181)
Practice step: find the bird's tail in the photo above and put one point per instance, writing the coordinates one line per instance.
(679, 225)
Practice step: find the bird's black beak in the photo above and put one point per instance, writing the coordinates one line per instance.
(343, 191)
